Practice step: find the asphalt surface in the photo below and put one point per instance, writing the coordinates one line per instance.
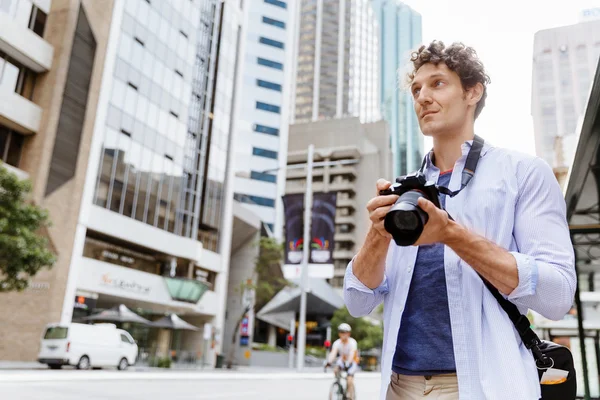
(113, 385)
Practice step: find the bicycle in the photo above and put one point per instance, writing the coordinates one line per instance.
(338, 389)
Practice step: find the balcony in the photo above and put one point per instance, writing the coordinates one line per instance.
(342, 186)
(296, 186)
(346, 203)
(345, 220)
(346, 170)
(343, 254)
(344, 237)
(18, 113)
(24, 45)
(19, 173)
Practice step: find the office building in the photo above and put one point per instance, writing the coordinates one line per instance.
(261, 147)
(400, 33)
(337, 69)
(564, 61)
(125, 134)
(347, 139)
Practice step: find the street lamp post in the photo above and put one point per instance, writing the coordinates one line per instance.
(308, 197)
(305, 258)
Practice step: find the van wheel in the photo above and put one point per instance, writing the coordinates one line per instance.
(84, 363)
(123, 364)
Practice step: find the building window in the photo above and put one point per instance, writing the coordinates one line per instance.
(256, 200)
(37, 21)
(270, 64)
(277, 3)
(264, 153)
(274, 22)
(271, 42)
(11, 145)
(262, 176)
(266, 129)
(16, 78)
(268, 107)
(268, 85)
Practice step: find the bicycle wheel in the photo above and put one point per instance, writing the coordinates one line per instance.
(336, 392)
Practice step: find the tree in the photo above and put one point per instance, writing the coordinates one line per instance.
(268, 280)
(369, 335)
(23, 250)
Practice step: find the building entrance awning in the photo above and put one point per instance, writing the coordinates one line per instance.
(582, 196)
(321, 299)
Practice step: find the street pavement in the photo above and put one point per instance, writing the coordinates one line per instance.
(176, 385)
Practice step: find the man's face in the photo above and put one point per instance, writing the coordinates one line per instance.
(344, 335)
(441, 104)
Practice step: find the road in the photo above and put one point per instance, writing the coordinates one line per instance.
(112, 385)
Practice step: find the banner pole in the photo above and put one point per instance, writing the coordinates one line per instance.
(305, 259)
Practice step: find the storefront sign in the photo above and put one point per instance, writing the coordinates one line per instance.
(125, 284)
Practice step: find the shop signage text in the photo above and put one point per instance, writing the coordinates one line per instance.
(127, 285)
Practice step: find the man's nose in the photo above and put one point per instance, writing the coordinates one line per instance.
(424, 96)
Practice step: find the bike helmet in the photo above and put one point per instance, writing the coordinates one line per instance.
(344, 327)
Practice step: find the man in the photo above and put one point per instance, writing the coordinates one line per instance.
(345, 350)
(446, 336)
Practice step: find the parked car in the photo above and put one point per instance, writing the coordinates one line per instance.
(87, 346)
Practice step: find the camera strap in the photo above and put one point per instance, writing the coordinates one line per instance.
(468, 170)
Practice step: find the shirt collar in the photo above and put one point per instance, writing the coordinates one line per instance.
(465, 147)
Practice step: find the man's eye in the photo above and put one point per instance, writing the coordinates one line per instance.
(416, 92)
(438, 83)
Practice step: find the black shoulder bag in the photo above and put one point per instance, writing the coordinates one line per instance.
(546, 354)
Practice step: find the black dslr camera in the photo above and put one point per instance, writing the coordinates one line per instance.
(405, 220)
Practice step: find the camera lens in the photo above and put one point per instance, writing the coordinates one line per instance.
(405, 220)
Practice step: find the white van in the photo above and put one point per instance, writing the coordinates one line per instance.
(87, 346)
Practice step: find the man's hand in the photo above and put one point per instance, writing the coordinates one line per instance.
(378, 207)
(437, 229)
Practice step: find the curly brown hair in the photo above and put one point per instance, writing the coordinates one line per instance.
(458, 58)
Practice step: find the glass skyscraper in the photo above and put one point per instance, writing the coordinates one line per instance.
(399, 33)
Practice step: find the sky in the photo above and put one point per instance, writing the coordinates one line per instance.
(502, 33)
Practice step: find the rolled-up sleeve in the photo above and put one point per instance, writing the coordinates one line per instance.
(360, 299)
(545, 257)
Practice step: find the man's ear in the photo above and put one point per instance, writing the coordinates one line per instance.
(474, 94)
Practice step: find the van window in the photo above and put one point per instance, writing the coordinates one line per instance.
(56, 332)
(125, 339)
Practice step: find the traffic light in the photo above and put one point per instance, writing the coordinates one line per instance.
(289, 340)
(327, 344)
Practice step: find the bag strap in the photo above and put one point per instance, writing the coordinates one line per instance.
(522, 324)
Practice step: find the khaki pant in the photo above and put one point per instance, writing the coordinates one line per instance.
(440, 387)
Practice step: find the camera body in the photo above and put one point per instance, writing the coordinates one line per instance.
(405, 220)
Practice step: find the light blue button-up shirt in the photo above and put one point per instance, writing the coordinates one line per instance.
(514, 201)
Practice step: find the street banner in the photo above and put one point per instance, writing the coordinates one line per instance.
(293, 208)
(322, 228)
(322, 234)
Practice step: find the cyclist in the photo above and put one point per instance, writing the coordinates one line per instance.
(346, 351)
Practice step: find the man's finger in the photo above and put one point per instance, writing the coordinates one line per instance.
(426, 205)
(382, 184)
(381, 201)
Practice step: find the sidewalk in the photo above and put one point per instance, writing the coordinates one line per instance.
(28, 366)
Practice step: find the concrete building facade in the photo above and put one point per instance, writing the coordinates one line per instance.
(367, 144)
(125, 136)
(564, 61)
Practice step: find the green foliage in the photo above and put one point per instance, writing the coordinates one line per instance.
(368, 335)
(160, 362)
(269, 279)
(23, 250)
